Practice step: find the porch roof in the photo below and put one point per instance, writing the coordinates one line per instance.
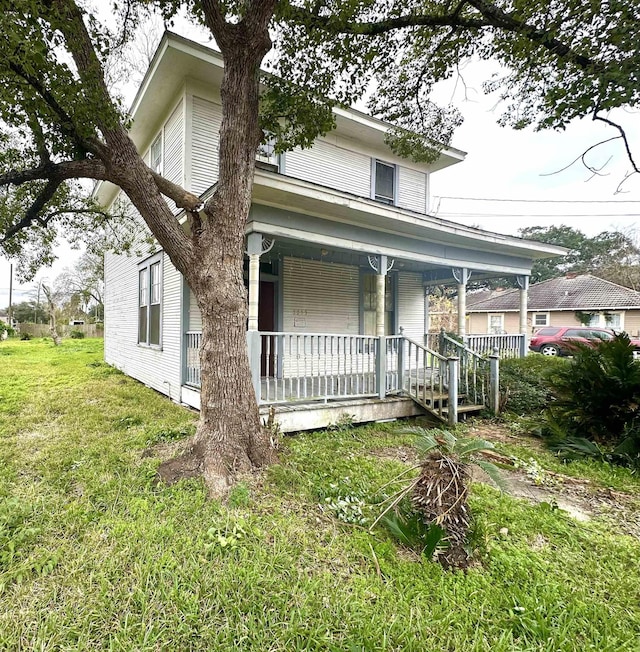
(295, 210)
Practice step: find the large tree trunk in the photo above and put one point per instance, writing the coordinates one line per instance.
(229, 438)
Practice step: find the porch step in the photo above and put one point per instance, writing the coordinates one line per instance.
(467, 409)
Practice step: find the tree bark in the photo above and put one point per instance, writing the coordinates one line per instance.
(229, 438)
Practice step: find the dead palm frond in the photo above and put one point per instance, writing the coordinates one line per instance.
(439, 494)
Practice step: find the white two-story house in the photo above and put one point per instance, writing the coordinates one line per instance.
(340, 249)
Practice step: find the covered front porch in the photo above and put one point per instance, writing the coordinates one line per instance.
(338, 306)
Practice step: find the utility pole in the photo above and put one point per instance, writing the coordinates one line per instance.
(10, 295)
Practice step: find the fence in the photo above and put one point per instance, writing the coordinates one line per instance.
(64, 330)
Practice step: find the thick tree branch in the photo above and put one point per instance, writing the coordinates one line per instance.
(82, 169)
(182, 198)
(33, 212)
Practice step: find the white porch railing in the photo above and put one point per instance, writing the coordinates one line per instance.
(192, 358)
(419, 372)
(310, 366)
(509, 346)
(299, 367)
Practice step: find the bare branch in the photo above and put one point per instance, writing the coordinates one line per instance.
(182, 198)
(582, 158)
(623, 135)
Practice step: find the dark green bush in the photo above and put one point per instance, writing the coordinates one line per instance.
(597, 400)
(76, 335)
(524, 384)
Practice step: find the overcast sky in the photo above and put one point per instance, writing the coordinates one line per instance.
(515, 167)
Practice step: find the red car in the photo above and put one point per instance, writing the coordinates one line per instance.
(558, 340)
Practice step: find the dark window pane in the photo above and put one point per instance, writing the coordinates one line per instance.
(154, 324)
(385, 177)
(142, 324)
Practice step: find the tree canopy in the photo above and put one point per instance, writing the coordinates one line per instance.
(610, 254)
(560, 61)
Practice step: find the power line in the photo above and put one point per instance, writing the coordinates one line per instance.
(545, 201)
(554, 215)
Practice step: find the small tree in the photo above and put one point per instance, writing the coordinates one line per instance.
(53, 298)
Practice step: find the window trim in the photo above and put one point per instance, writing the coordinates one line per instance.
(547, 319)
(158, 139)
(495, 314)
(267, 160)
(374, 194)
(146, 266)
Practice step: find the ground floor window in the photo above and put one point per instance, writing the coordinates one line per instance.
(150, 301)
(540, 319)
(606, 320)
(496, 324)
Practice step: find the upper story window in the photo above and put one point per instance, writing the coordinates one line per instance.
(155, 162)
(384, 182)
(266, 157)
(150, 301)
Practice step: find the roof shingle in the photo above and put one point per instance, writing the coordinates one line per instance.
(580, 292)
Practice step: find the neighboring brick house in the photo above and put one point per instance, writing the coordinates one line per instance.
(573, 299)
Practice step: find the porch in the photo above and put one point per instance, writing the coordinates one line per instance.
(312, 379)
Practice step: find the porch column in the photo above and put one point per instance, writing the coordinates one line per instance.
(254, 251)
(523, 285)
(461, 276)
(380, 295)
(426, 313)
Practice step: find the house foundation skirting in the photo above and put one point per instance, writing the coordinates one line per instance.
(311, 416)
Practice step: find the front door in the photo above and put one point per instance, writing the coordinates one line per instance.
(267, 322)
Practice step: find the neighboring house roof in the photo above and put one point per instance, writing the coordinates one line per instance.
(580, 292)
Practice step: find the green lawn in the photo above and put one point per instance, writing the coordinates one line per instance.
(94, 556)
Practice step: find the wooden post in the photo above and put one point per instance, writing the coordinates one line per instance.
(401, 343)
(461, 276)
(453, 390)
(523, 285)
(380, 295)
(381, 366)
(494, 381)
(254, 351)
(254, 250)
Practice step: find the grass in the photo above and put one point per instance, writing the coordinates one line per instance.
(94, 556)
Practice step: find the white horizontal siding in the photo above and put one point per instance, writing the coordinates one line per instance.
(206, 119)
(173, 142)
(157, 368)
(332, 166)
(411, 305)
(412, 190)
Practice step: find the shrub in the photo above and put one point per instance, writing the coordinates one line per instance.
(76, 335)
(524, 383)
(597, 400)
(5, 328)
(25, 336)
